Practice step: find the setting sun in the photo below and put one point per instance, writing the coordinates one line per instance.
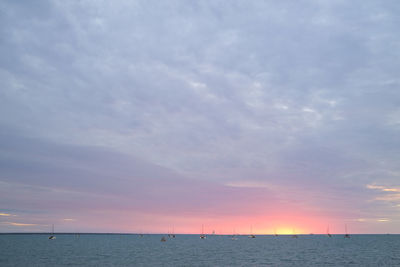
(288, 231)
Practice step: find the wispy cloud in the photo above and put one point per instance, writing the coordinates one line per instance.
(383, 220)
(389, 194)
(389, 197)
(383, 188)
(19, 224)
(249, 184)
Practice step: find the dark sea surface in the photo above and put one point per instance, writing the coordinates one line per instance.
(190, 250)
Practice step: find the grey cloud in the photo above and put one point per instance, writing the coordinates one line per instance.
(44, 176)
(305, 91)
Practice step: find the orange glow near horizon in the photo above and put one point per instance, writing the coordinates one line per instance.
(283, 222)
(260, 225)
(287, 231)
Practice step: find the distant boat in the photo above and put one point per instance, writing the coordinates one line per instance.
(163, 239)
(327, 232)
(294, 234)
(346, 234)
(202, 236)
(171, 235)
(234, 235)
(275, 234)
(52, 236)
(251, 233)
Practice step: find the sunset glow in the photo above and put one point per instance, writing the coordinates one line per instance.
(287, 231)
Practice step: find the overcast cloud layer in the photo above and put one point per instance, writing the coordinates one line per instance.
(198, 110)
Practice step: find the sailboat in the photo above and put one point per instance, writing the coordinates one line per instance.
(275, 233)
(251, 233)
(52, 236)
(346, 235)
(234, 235)
(171, 235)
(202, 236)
(294, 234)
(327, 232)
(163, 239)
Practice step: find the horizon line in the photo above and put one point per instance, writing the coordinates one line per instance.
(122, 233)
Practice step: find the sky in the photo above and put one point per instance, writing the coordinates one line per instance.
(161, 116)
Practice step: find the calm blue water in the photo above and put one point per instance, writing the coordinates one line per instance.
(190, 250)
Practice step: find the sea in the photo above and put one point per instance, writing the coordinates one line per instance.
(190, 250)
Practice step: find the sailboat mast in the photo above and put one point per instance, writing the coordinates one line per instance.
(346, 235)
(52, 233)
(202, 236)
